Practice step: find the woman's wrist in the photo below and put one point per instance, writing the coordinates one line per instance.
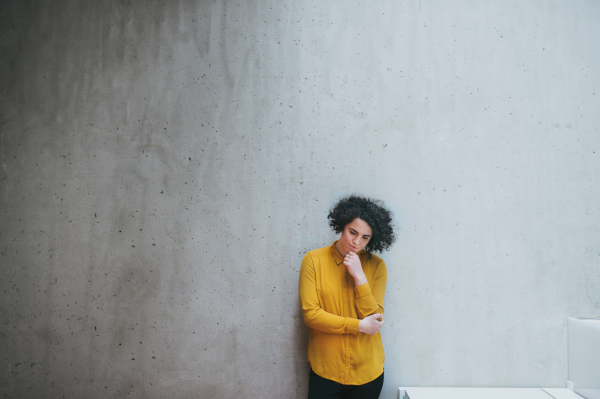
(361, 324)
(360, 280)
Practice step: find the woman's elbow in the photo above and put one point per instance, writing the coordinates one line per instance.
(309, 317)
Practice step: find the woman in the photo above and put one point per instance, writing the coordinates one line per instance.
(341, 291)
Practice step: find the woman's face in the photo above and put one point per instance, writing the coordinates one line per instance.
(355, 237)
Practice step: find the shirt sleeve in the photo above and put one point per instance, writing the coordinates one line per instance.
(369, 299)
(314, 316)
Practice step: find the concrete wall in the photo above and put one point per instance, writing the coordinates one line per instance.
(165, 165)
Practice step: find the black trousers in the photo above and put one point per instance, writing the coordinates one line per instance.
(322, 388)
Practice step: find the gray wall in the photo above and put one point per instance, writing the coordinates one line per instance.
(165, 165)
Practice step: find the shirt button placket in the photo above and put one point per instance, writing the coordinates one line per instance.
(347, 337)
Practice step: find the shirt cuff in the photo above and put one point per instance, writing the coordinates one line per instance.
(352, 325)
(362, 291)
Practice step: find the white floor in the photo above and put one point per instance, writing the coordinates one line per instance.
(589, 393)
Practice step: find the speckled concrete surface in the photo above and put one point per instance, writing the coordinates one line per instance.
(165, 165)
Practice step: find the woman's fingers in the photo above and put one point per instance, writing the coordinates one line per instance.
(351, 257)
(378, 321)
(379, 324)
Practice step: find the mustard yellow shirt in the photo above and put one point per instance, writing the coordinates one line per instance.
(332, 307)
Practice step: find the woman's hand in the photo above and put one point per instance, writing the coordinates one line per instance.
(352, 263)
(370, 324)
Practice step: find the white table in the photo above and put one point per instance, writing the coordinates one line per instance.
(487, 393)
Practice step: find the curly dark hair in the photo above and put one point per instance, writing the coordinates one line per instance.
(371, 211)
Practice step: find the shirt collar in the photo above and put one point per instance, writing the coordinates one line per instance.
(336, 254)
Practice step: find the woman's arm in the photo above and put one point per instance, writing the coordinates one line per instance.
(369, 300)
(314, 316)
